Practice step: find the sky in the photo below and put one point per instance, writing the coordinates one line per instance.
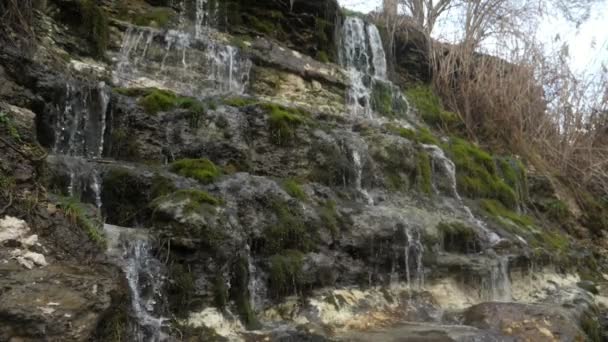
(588, 43)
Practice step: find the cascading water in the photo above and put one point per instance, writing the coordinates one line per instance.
(131, 250)
(194, 66)
(79, 130)
(81, 123)
(498, 285)
(444, 168)
(363, 57)
(413, 250)
(359, 176)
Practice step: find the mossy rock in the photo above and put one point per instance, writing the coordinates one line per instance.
(430, 108)
(125, 197)
(203, 170)
(294, 189)
(181, 288)
(422, 135)
(477, 174)
(385, 101)
(424, 173)
(289, 230)
(78, 215)
(458, 238)
(284, 122)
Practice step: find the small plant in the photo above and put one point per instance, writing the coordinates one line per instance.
(9, 125)
(497, 209)
(293, 188)
(284, 122)
(203, 170)
(424, 173)
(158, 100)
(240, 102)
(286, 273)
(329, 217)
(75, 213)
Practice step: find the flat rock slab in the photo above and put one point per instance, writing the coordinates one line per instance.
(55, 302)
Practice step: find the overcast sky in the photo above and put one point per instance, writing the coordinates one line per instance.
(588, 43)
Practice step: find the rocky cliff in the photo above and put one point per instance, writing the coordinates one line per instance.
(233, 170)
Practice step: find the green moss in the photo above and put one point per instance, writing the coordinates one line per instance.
(263, 26)
(513, 173)
(477, 175)
(425, 136)
(288, 232)
(158, 100)
(284, 122)
(424, 173)
(330, 219)
(240, 102)
(155, 17)
(161, 186)
(181, 288)
(430, 108)
(76, 213)
(323, 57)
(8, 123)
(458, 237)
(293, 188)
(497, 209)
(95, 26)
(196, 197)
(203, 170)
(285, 273)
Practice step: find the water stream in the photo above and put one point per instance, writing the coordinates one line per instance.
(131, 249)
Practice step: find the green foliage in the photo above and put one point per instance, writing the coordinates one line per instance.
(430, 108)
(425, 136)
(285, 273)
(458, 237)
(240, 294)
(283, 123)
(95, 26)
(288, 232)
(422, 135)
(7, 122)
(513, 172)
(557, 210)
(158, 100)
(240, 102)
(329, 217)
(75, 212)
(203, 170)
(386, 102)
(477, 175)
(181, 288)
(424, 173)
(399, 164)
(595, 212)
(161, 186)
(155, 17)
(323, 57)
(263, 26)
(197, 198)
(498, 210)
(293, 188)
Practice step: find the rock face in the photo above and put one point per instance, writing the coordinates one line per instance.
(212, 175)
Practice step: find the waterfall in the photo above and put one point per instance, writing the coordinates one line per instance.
(444, 168)
(256, 285)
(178, 61)
(363, 57)
(498, 286)
(131, 250)
(207, 15)
(413, 250)
(80, 125)
(358, 166)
